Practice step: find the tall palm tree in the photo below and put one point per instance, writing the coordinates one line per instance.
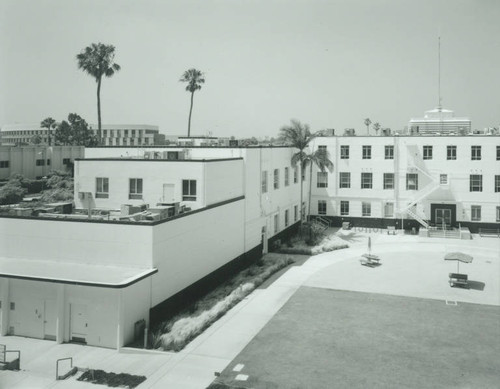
(320, 158)
(48, 123)
(376, 127)
(299, 136)
(98, 60)
(194, 79)
(367, 124)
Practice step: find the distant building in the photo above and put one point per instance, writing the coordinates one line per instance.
(439, 121)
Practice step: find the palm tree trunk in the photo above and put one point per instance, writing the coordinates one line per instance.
(99, 108)
(48, 135)
(301, 190)
(310, 187)
(190, 111)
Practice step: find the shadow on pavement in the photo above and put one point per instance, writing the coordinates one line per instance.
(476, 285)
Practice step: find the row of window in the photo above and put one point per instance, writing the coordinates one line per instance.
(136, 189)
(427, 152)
(119, 133)
(276, 178)
(125, 141)
(476, 183)
(286, 218)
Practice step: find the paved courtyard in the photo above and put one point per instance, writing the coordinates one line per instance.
(404, 299)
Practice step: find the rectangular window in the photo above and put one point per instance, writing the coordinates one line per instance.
(66, 161)
(111, 133)
(135, 189)
(322, 147)
(276, 224)
(264, 181)
(366, 180)
(295, 174)
(188, 190)
(451, 152)
(475, 153)
(286, 217)
(287, 176)
(411, 181)
(322, 180)
(498, 153)
(443, 179)
(388, 209)
(344, 152)
(344, 180)
(427, 152)
(367, 152)
(101, 188)
(497, 183)
(321, 207)
(48, 162)
(476, 183)
(475, 211)
(40, 162)
(344, 208)
(12, 306)
(276, 178)
(4, 164)
(389, 152)
(498, 214)
(366, 209)
(296, 213)
(388, 180)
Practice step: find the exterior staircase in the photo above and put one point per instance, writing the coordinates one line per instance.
(321, 222)
(417, 218)
(440, 233)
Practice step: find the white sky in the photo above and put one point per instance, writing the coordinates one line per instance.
(327, 63)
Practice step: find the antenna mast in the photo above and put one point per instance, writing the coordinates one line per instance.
(439, 73)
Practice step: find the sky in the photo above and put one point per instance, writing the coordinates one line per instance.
(329, 64)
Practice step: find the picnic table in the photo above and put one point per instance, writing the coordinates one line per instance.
(458, 279)
(370, 259)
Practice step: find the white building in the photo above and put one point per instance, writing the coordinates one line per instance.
(439, 121)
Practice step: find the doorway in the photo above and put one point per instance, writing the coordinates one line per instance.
(78, 324)
(443, 215)
(49, 322)
(168, 193)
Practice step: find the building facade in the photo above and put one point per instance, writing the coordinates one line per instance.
(439, 121)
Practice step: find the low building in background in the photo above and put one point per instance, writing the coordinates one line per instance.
(439, 121)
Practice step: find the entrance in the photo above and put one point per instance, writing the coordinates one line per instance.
(443, 217)
(444, 214)
(264, 240)
(168, 193)
(49, 322)
(78, 332)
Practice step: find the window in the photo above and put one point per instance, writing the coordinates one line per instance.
(344, 152)
(66, 161)
(322, 181)
(476, 183)
(296, 213)
(4, 164)
(264, 181)
(295, 174)
(102, 188)
(322, 147)
(427, 152)
(451, 152)
(388, 180)
(12, 306)
(498, 214)
(475, 153)
(188, 190)
(497, 183)
(40, 162)
(287, 176)
(475, 211)
(366, 180)
(388, 209)
(286, 217)
(366, 209)
(321, 207)
(411, 181)
(344, 208)
(443, 179)
(389, 152)
(345, 180)
(135, 188)
(367, 152)
(276, 178)
(498, 153)
(276, 224)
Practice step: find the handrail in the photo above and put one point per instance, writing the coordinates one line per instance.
(58, 377)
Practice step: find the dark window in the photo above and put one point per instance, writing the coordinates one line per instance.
(345, 180)
(276, 179)
(40, 162)
(101, 188)
(367, 152)
(322, 180)
(475, 153)
(366, 209)
(189, 190)
(295, 174)
(475, 211)
(135, 189)
(497, 183)
(366, 180)
(389, 152)
(286, 217)
(451, 152)
(321, 207)
(66, 161)
(264, 181)
(287, 176)
(4, 164)
(344, 208)
(344, 152)
(427, 152)
(412, 181)
(498, 153)
(388, 180)
(476, 183)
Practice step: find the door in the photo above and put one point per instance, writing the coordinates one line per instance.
(50, 317)
(443, 217)
(168, 193)
(78, 322)
(264, 240)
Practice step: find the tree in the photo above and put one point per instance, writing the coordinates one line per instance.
(13, 191)
(376, 127)
(194, 79)
(75, 132)
(298, 135)
(98, 60)
(36, 139)
(367, 124)
(48, 123)
(320, 158)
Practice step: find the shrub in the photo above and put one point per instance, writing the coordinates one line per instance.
(112, 380)
(334, 246)
(11, 193)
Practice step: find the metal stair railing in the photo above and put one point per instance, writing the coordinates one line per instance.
(417, 218)
(420, 195)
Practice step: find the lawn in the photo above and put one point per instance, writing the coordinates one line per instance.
(340, 339)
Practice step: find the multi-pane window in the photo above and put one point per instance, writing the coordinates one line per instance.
(367, 152)
(40, 162)
(476, 183)
(322, 180)
(475, 212)
(451, 152)
(388, 209)
(366, 209)
(427, 152)
(296, 213)
(287, 176)
(411, 181)
(276, 223)
(276, 178)
(263, 181)
(188, 190)
(475, 153)
(321, 207)
(101, 188)
(135, 189)
(344, 208)
(295, 174)
(443, 179)
(344, 180)
(498, 153)
(4, 164)
(498, 213)
(66, 161)
(344, 152)
(366, 180)
(286, 217)
(497, 183)
(389, 152)
(322, 148)
(388, 180)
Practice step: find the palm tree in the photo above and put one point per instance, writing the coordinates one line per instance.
(367, 124)
(320, 158)
(298, 135)
(194, 78)
(376, 127)
(98, 60)
(48, 123)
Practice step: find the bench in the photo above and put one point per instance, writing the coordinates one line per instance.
(391, 230)
(370, 259)
(346, 225)
(458, 279)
